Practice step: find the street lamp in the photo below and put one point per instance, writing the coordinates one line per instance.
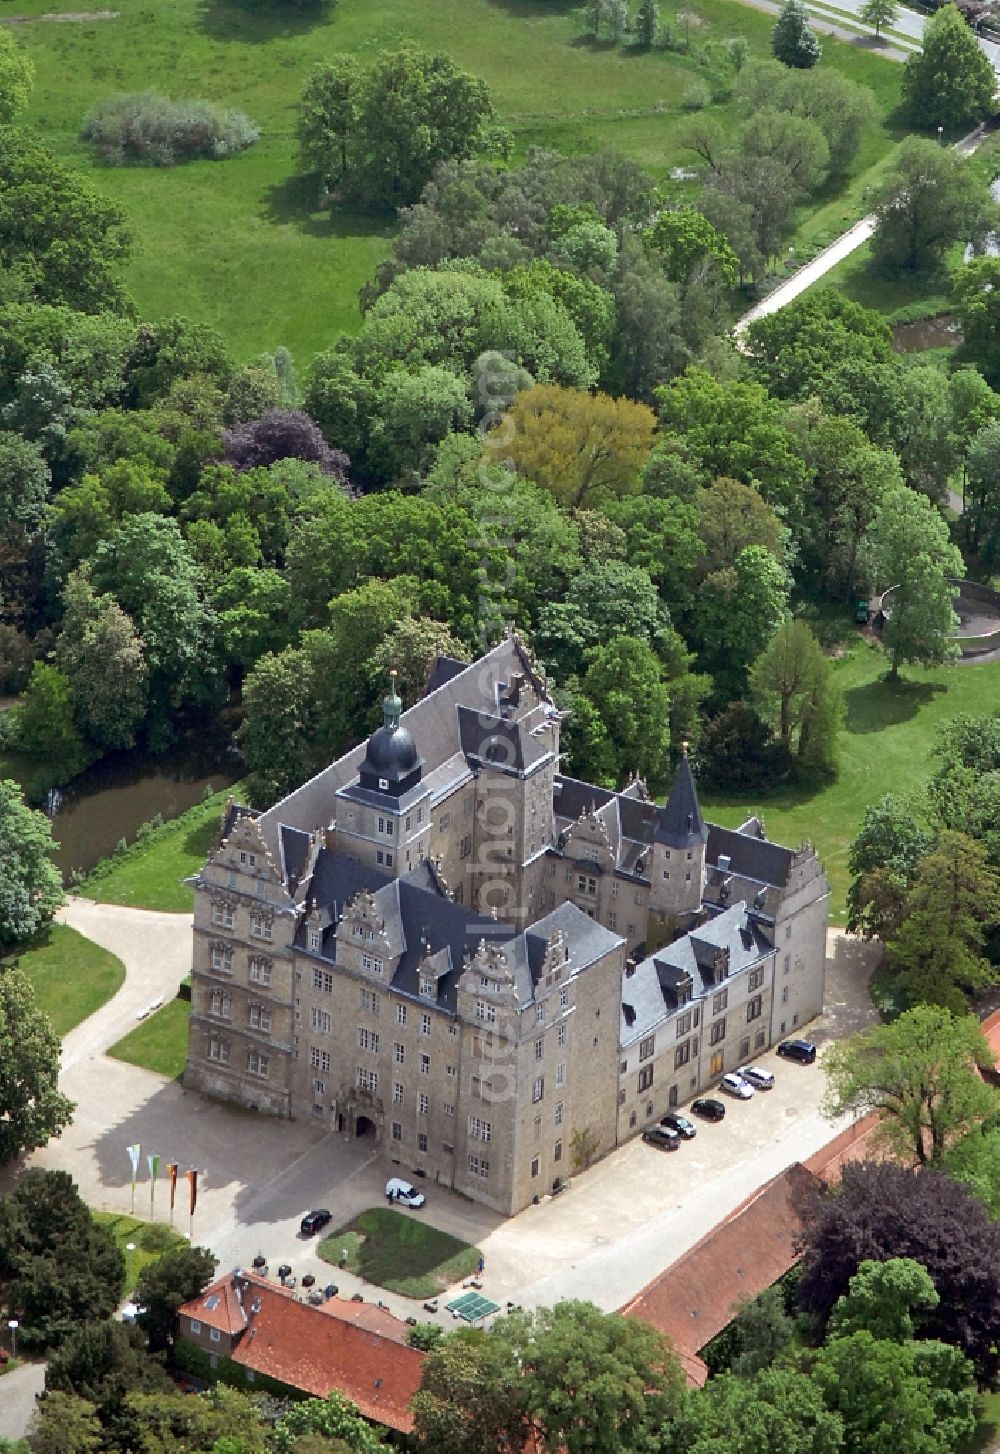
(12, 1324)
(940, 136)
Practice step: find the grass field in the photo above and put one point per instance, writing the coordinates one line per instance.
(150, 874)
(985, 1439)
(205, 226)
(149, 1240)
(401, 1253)
(886, 747)
(72, 976)
(159, 1043)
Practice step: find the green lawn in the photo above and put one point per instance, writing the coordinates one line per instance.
(398, 1251)
(148, 1240)
(885, 747)
(986, 1439)
(159, 1043)
(150, 874)
(240, 243)
(72, 976)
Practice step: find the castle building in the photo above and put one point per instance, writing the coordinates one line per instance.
(495, 970)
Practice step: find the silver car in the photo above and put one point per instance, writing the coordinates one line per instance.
(761, 1079)
(734, 1085)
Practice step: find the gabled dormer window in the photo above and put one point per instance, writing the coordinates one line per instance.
(315, 939)
(427, 987)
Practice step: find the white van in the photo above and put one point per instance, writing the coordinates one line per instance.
(397, 1190)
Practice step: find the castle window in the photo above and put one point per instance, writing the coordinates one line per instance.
(315, 939)
(372, 963)
(561, 1073)
(319, 1059)
(718, 1032)
(755, 979)
(561, 1036)
(534, 1165)
(399, 1053)
(421, 1140)
(451, 1070)
(754, 1009)
(645, 1077)
(486, 1012)
(540, 1048)
(368, 1039)
(683, 1025)
(443, 822)
(427, 987)
(397, 1131)
(397, 1094)
(539, 1014)
(479, 1166)
(682, 1054)
(537, 1089)
(259, 1017)
(319, 1087)
(557, 1153)
(366, 1079)
(221, 1005)
(425, 1065)
(448, 1110)
(257, 1063)
(559, 1113)
(614, 888)
(223, 913)
(585, 884)
(222, 958)
(260, 971)
(720, 1001)
(400, 1014)
(218, 1049)
(425, 1024)
(564, 999)
(612, 921)
(424, 1104)
(480, 1130)
(323, 980)
(646, 1047)
(369, 1001)
(248, 860)
(260, 924)
(465, 847)
(321, 1020)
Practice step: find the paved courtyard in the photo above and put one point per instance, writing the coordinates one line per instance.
(614, 1228)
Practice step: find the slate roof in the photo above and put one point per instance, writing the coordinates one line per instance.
(444, 670)
(294, 846)
(319, 1349)
(694, 1299)
(750, 857)
(680, 824)
(419, 914)
(335, 881)
(505, 745)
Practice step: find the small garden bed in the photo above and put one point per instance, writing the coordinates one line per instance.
(400, 1253)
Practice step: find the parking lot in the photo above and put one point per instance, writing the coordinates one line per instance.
(615, 1227)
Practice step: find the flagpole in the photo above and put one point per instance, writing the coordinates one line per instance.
(154, 1166)
(133, 1156)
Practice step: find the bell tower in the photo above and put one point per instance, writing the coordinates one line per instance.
(679, 838)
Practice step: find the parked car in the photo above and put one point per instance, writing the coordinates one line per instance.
(661, 1136)
(803, 1051)
(734, 1085)
(397, 1190)
(708, 1108)
(676, 1122)
(314, 1222)
(759, 1079)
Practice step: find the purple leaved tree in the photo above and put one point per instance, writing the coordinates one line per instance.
(282, 434)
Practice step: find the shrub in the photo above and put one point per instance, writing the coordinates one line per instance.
(696, 97)
(146, 128)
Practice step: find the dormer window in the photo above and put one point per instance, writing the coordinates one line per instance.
(383, 784)
(248, 860)
(427, 987)
(315, 939)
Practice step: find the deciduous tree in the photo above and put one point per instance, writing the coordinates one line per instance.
(879, 14)
(101, 654)
(927, 200)
(883, 862)
(30, 885)
(776, 1409)
(32, 1108)
(921, 1073)
(792, 686)
(889, 1299)
(883, 1210)
(912, 551)
(173, 1279)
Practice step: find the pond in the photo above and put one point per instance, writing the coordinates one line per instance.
(944, 331)
(112, 799)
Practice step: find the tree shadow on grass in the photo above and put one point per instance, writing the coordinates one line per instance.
(535, 9)
(255, 22)
(298, 201)
(887, 703)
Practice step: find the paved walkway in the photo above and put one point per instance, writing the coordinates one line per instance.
(18, 1391)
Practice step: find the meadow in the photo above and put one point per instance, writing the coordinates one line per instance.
(886, 746)
(243, 244)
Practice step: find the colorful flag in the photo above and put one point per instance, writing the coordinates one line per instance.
(192, 1177)
(133, 1156)
(153, 1162)
(172, 1179)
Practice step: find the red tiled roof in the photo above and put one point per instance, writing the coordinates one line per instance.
(218, 1307)
(694, 1298)
(854, 1144)
(319, 1349)
(991, 1029)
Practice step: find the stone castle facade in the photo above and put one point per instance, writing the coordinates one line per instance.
(497, 971)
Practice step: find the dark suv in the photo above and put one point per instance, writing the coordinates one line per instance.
(315, 1221)
(803, 1051)
(676, 1122)
(709, 1108)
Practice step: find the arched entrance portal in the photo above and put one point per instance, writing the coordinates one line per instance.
(363, 1126)
(356, 1113)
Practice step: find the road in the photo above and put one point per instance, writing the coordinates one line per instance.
(616, 1227)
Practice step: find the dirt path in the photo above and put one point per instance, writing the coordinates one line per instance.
(62, 17)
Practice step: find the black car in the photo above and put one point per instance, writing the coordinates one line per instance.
(709, 1109)
(315, 1221)
(674, 1121)
(662, 1137)
(803, 1051)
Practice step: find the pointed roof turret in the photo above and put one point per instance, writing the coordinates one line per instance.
(680, 824)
